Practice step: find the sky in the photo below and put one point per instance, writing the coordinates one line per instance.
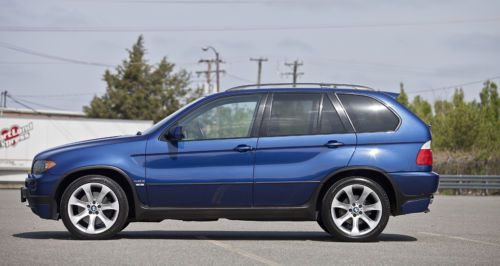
(427, 45)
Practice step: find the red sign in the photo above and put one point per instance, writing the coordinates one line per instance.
(11, 136)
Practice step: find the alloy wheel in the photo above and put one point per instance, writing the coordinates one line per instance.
(93, 208)
(356, 210)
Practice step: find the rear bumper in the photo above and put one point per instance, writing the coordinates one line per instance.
(43, 206)
(416, 190)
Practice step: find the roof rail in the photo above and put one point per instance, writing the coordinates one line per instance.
(295, 85)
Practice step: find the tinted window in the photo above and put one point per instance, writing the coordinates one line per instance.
(293, 114)
(369, 115)
(229, 117)
(330, 121)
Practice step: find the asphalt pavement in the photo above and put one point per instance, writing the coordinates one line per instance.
(460, 230)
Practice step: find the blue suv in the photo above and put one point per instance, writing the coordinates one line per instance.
(345, 156)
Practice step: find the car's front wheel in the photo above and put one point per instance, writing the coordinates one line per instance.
(355, 209)
(94, 207)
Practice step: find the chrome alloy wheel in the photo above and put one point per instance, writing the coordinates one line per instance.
(93, 208)
(356, 210)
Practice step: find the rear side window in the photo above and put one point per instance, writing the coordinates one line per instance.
(293, 114)
(369, 115)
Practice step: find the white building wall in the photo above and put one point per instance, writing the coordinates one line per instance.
(22, 138)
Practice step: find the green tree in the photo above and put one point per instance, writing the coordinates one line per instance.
(456, 126)
(138, 90)
(403, 97)
(419, 106)
(422, 109)
(488, 139)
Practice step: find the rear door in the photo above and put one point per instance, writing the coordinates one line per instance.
(304, 137)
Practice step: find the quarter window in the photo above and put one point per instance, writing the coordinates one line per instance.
(229, 117)
(368, 114)
(330, 122)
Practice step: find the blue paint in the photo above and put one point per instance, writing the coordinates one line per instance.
(278, 171)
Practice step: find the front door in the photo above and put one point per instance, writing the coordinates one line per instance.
(303, 140)
(212, 166)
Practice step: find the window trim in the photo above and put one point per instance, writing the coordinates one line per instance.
(263, 133)
(381, 102)
(255, 122)
(341, 112)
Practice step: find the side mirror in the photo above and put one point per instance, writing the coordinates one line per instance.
(175, 133)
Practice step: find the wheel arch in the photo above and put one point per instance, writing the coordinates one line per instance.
(372, 173)
(116, 174)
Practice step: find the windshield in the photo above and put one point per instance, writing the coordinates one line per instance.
(161, 122)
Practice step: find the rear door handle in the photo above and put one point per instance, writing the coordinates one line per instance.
(333, 144)
(243, 148)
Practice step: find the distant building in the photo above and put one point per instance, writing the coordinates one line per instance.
(24, 133)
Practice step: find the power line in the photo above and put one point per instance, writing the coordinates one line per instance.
(455, 86)
(240, 28)
(189, 2)
(54, 95)
(238, 78)
(38, 104)
(20, 103)
(54, 57)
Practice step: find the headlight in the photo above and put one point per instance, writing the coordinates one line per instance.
(41, 166)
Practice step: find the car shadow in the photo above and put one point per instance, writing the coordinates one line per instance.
(216, 235)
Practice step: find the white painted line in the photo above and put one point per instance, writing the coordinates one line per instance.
(239, 251)
(462, 238)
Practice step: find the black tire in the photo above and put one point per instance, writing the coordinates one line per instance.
(123, 208)
(125, 225)
(322, 225)
(326, 213)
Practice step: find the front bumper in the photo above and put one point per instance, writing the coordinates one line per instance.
(43, 206)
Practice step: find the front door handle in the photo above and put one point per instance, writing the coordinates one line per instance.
(333, 144)
(243, 148)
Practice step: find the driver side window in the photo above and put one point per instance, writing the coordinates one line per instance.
(228, 117)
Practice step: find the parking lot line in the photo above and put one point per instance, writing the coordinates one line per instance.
(461, 238)
(239, 251)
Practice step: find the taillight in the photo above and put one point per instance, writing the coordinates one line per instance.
(424, 156)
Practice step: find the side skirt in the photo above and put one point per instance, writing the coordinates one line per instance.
(156, 214)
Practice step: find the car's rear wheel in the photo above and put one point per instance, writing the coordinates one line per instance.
(355, 209)
(94, 207)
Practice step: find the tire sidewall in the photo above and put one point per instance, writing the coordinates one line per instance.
(122, 213)
(327, 205)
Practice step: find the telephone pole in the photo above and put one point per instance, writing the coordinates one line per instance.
(207, 73)
(217, 62)
(295, 67)
(3, 99)
(259, 69)
(3, 102)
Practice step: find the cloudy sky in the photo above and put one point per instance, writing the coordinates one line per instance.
(425, 44)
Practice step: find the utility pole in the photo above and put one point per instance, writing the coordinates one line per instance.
(295, 67)
(207, 73)
(3, 102)
(259, 70)
(217, 62)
